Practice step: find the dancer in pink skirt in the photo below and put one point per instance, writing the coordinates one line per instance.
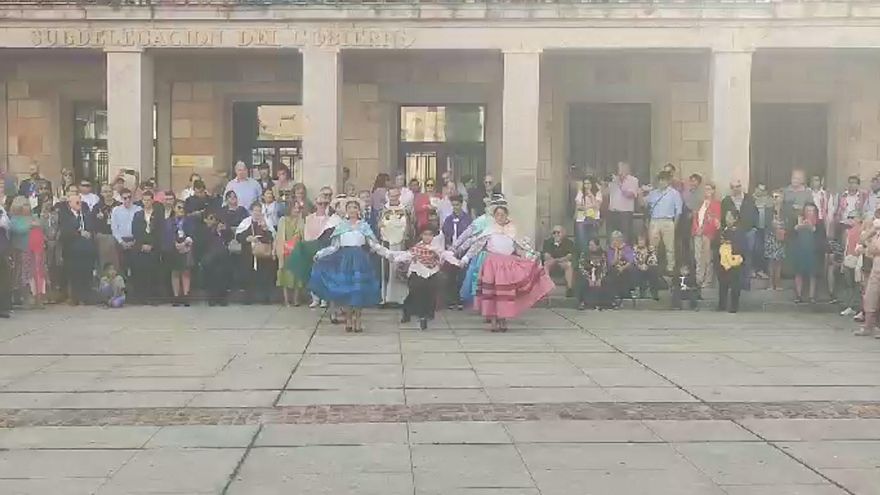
(512, 278)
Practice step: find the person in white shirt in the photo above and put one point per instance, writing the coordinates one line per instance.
(270, 208)
(343, 272)
(88, 196)
(511, 278)
(190, 189)
(423, 276)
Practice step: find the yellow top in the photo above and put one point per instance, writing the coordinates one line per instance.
(728, 259)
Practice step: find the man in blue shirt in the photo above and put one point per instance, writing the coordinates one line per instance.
(665, 206)
(121, 217)
(247, 189)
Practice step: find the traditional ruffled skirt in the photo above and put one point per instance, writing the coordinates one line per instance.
(346, 277)
(301, 259)
(508, 285)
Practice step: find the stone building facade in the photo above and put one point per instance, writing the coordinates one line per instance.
(534, 93)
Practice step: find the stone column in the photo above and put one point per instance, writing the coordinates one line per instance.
(321, 95)
(731, 114)
(130, 111)
(519, 138)
(163, 134)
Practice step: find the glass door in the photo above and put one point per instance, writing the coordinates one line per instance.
(442, 138)
(90, 157)
(269, 133)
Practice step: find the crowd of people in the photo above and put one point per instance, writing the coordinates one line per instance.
(692, 239)
(417, 246)
(400, 244)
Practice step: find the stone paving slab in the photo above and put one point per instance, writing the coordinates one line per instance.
(276, 401)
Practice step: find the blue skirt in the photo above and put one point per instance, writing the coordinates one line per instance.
(469, 285)
(346, 277)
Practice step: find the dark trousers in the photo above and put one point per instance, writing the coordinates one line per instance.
(623, 222)
(79, 277)
(261, 282)
(421, 301)
(454, 279)
(759, 262)
(684, 246)
(5, 284)
(595, 297)
(216, 273)
(146, 277)
(729, 286)
(127, 262)
(689, 295)
(620, 283)
(648, 280)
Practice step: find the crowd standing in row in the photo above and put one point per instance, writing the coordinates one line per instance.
(255, 235)
(152, 247)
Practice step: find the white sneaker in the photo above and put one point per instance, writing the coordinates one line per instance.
(314, 304)
(323, 304)
(848, 312)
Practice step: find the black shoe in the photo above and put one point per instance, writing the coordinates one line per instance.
(423, 323)
(406, 319)
(569, 292)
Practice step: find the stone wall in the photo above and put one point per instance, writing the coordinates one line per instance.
(202, 92)
(40, 96)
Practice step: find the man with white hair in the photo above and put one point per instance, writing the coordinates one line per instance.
(247, 189)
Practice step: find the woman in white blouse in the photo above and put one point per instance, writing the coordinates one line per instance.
(343, 272)
(512, 278)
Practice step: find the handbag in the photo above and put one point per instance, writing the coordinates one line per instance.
(234, 247)
(290, 245)
(261, 249)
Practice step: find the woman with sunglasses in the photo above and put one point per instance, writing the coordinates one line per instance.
(179, 235)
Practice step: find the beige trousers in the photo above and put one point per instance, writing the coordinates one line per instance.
(662, 230)
(703, 257)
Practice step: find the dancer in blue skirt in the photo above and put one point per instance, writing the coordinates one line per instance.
(343, 272)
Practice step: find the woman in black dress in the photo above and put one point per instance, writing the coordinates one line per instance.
(180, 232)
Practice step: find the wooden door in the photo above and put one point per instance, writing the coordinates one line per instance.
(786, 136)
(602, 134)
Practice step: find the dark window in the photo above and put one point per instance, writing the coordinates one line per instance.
(786, 136)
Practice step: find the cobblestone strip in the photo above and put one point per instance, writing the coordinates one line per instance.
(326, 414)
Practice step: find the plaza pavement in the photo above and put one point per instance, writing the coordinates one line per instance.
(268, 400)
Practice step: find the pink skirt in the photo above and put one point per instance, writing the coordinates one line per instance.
(508, 285)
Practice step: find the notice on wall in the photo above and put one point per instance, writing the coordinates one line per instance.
(192, 161)
(326, 37)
